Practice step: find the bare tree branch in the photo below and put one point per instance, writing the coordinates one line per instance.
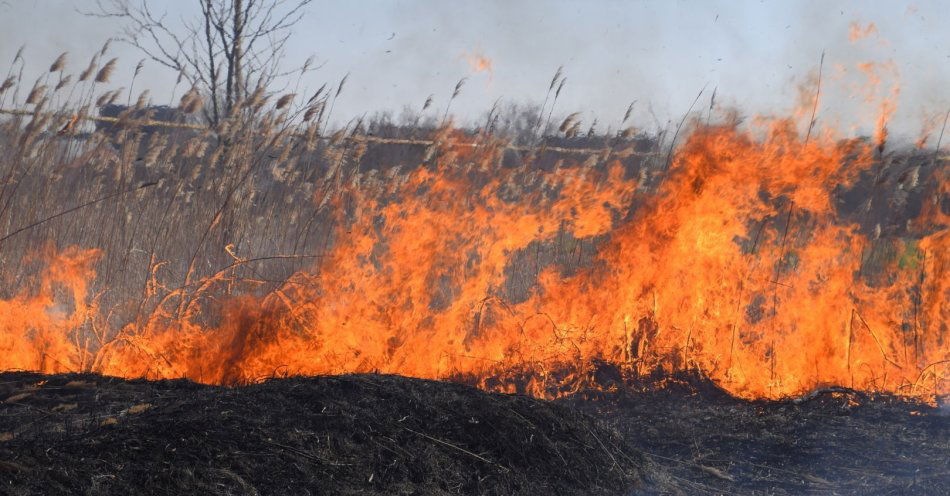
(229, 46)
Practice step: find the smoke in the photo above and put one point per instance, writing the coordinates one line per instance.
(660, 53)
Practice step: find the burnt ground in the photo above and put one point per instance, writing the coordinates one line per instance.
(357, 434)
(371, 434)
(700, 440)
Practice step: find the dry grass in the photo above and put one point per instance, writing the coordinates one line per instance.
(162, 206)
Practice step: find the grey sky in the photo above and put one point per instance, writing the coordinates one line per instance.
(660, 52)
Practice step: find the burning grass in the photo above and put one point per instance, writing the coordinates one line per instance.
(774, 263)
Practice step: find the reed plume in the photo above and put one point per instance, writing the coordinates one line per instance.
(106, 72)
(285, 100)
(317, 94)
(84, 75)
(36, 93)
(7, 84)
(191, 102)
(568, 122)
(59, 63)
(64, 81)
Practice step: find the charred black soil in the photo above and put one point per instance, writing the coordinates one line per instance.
(371, 434)
(700, 440)
(357, 434)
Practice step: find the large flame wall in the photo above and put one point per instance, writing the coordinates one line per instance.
(737, 263)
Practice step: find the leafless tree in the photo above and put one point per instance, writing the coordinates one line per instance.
(226, 51)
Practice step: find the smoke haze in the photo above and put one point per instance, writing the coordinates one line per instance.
(757, 55)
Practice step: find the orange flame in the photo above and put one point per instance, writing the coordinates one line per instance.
(737, 264)
(856, 32)
(478, 62)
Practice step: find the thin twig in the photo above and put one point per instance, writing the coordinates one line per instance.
(64, 212)
(669, 155)
(459, 448)
(814, 110)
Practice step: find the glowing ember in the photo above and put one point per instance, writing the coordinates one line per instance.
(478, 62)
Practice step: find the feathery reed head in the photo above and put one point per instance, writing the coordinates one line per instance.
(142, 101)
(317, 94)
(191, 102)
(106, 72)
(339, 88)
(7, 84)
(307, 64)
(626, 115)
(285, 100)
(84, 75)
(559, 88)
(64, 81)
(557, 75)
(36, 93)
(458, 87)
(103, 99)
(59, 63)
(312, 111)
(568, 122)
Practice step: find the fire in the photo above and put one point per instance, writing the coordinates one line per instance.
(478, 62)
(739, 263)
(857, 33)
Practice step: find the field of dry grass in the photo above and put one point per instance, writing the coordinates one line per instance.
(267, 246)
(172, 218)
(180, 214)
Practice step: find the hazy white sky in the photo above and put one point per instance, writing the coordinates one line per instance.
(757, 53)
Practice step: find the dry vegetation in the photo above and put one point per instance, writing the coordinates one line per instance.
(182, 213)
(185, 216)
